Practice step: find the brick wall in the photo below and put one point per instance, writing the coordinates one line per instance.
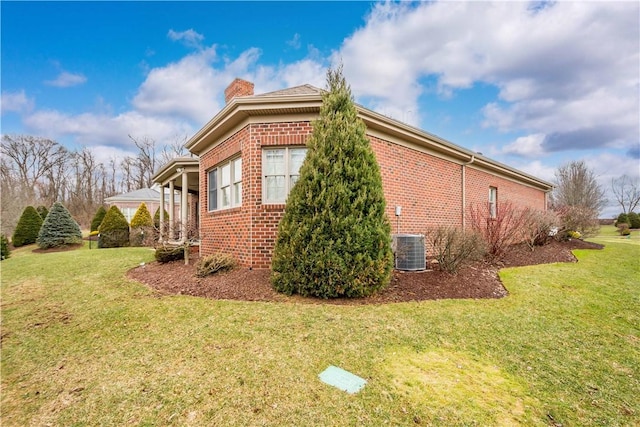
(428, 188)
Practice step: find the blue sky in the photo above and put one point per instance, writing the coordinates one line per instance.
(532, 85)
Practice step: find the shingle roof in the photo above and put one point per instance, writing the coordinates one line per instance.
(143, 194)
(296, 90)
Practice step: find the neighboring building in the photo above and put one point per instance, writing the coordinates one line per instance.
(128, 203)
(251, 151)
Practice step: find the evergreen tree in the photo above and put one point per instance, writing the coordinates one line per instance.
(334, 239)
(141, 224)
(156, 218)
(43, 212)
(59, 229)
(5, 252)
(28, 227)
(114, 229)
(634, 220)
(97, 218)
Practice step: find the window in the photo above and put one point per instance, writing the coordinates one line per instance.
(281, 170)
(225, 185)
(493, 202)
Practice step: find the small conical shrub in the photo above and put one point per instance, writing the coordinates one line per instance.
(43, 211)
(28, 227)
(141, 225)
(97, 218)
(156, 218)
(59, 229)
(334, 239)
(114, 230)
(5, 252)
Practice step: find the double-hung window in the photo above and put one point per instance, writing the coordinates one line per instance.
(493, 202)
(281, 170)
(225, 185)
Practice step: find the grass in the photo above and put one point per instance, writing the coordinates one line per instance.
(83, 345)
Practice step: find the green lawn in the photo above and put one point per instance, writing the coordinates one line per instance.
(82, 345)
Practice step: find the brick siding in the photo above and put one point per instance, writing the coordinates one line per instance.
(427, 187)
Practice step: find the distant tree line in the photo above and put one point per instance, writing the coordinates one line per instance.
(38, 171)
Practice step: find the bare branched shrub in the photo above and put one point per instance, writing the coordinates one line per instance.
(452, 247)
(539, 227)
(498, 231)
(215, 263)
(580, 219)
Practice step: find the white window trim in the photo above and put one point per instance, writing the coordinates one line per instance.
(233, 180)
(493, 202)
(287, 177)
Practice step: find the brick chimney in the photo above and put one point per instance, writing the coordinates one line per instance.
(238, 87)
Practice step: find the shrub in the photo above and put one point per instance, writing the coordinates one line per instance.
(623, 229)
(452, 247)
(97, 218)
(141, 226)
(634, 220)
(43, 212)
(28, 227)
(5, 251)
(539, 227)
(156, 218)
(623, 218)
(215, 263)
(168, 254)
(574, 234)
(334, 239)
(114, 230)
(500, 231)
(59, 229)
(580, 219)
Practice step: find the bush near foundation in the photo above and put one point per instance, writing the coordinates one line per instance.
(453, 248)
(215, 263)
(28, 227)
(141, 226)
(59, 229)
(168, 254)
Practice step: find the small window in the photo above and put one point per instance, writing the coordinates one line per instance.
(281, 170)
(213, 189)
(493, 202)
(225, 185)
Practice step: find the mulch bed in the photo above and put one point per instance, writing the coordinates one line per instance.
(479, 280)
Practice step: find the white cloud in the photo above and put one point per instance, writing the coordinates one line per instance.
(294, 42)
(189, 38)
(66, 79)
(526, 146)
(16, 102)
(564, 70)
(98, 129)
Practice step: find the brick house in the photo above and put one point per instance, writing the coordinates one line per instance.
(250, 153)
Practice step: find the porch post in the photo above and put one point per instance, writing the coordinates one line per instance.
(161, 224)
(183, 206)
(172, 208)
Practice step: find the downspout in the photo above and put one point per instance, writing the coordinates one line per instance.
(464, 189)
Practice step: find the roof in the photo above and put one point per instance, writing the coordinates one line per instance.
(303, 103)
(296, 90)
(141, 195)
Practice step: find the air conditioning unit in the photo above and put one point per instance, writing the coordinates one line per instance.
(409, 252)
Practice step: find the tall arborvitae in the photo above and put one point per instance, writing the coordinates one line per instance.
(334, 239)
(43, 212)
(59, 228)
(141, 224)
(114, 230)
(28, 227)
(97, 218)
